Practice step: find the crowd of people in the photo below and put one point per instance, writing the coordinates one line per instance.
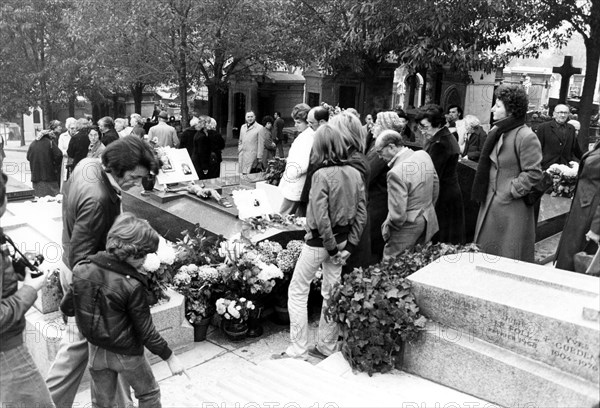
(368, 192)
(54, 154)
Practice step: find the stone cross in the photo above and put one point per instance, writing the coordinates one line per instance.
(566, 71)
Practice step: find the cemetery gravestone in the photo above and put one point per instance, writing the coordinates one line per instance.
(508, 332)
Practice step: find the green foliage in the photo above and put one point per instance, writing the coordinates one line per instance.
(376, 310)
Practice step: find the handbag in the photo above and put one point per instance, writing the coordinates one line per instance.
(538, 190)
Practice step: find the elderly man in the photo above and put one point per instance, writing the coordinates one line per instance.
(558, 139)
(250, 145)
(163, 134)
(106, 125)
(317, 116)
(137, 124)
(91, 203)
(413, 188)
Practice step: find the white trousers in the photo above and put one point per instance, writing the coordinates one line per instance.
(307, 266)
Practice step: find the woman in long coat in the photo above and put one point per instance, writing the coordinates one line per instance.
(584, 217)
(509, 166)
(444, 151)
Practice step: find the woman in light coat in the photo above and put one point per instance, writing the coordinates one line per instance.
(509, 166)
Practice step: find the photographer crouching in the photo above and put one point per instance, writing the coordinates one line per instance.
(22, 384)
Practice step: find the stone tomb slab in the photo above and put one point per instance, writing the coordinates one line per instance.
(532, 310)
(484, 370)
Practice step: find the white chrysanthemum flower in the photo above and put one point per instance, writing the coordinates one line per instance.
(220, 304)
(165, 252)
(152, 263)
(233, 311)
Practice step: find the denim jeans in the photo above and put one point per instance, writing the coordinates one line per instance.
(71, 361)
(308, 263)
(105, 366)
(22, 384)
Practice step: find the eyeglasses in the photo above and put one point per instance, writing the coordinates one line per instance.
(561, 113)
(422, 126)
(378, 151)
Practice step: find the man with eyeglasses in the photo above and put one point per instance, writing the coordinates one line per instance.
(413, 188)
(558, 139)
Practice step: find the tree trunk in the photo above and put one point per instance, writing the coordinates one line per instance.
(72, 99)
(183, 82)
(215, 104)
(137, 90)
(592, 59)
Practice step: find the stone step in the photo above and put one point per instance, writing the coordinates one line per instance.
(532, 310)
(493, 373)
(545, 250)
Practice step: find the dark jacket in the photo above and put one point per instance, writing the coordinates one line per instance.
(110, 136)
(443, 149)
(89, 208)
(201, 157)
(14, 303)
(217, 144)
(585, 211)
(277, 130)
(555, 147)
(109, 301)
(43, 156)
(79, 146)
(377, 206)
(474, 144)
(186, 141)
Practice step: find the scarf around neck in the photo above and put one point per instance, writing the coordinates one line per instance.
(482, 175)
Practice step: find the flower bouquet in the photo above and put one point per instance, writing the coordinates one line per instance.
(196, 284)
(564, 179)
(246, 271)
(275, 169)
(235, 313)
(159, 266)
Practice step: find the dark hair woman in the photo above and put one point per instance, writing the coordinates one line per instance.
(509, 166)
(444, 151)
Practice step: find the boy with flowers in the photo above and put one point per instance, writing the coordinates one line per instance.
(108, 298)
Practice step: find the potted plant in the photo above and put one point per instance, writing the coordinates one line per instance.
(249, 274)
(159, 266)
(196, 283)
(376, 311)
(234, 313)
(286, 260)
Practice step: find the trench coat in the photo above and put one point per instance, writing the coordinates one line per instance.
(585, 210)
(505, 224)
(250, 146)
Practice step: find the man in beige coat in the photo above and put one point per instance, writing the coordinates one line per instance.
(251, 144)
(413, 188)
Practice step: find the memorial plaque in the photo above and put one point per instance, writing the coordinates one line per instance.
(522, 311)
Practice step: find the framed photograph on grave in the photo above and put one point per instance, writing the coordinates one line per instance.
(175, 166)
(251, 203)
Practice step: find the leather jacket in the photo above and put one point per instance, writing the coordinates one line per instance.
(109, 300)
(90, 206)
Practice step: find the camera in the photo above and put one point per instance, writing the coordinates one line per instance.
(21, 260)
(30, 261)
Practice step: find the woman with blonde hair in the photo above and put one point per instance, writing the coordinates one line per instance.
(354, 137)
(336, 216)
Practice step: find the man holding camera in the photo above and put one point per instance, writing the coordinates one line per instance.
(22, 384)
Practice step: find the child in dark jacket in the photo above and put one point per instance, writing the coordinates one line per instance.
(108, 298)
